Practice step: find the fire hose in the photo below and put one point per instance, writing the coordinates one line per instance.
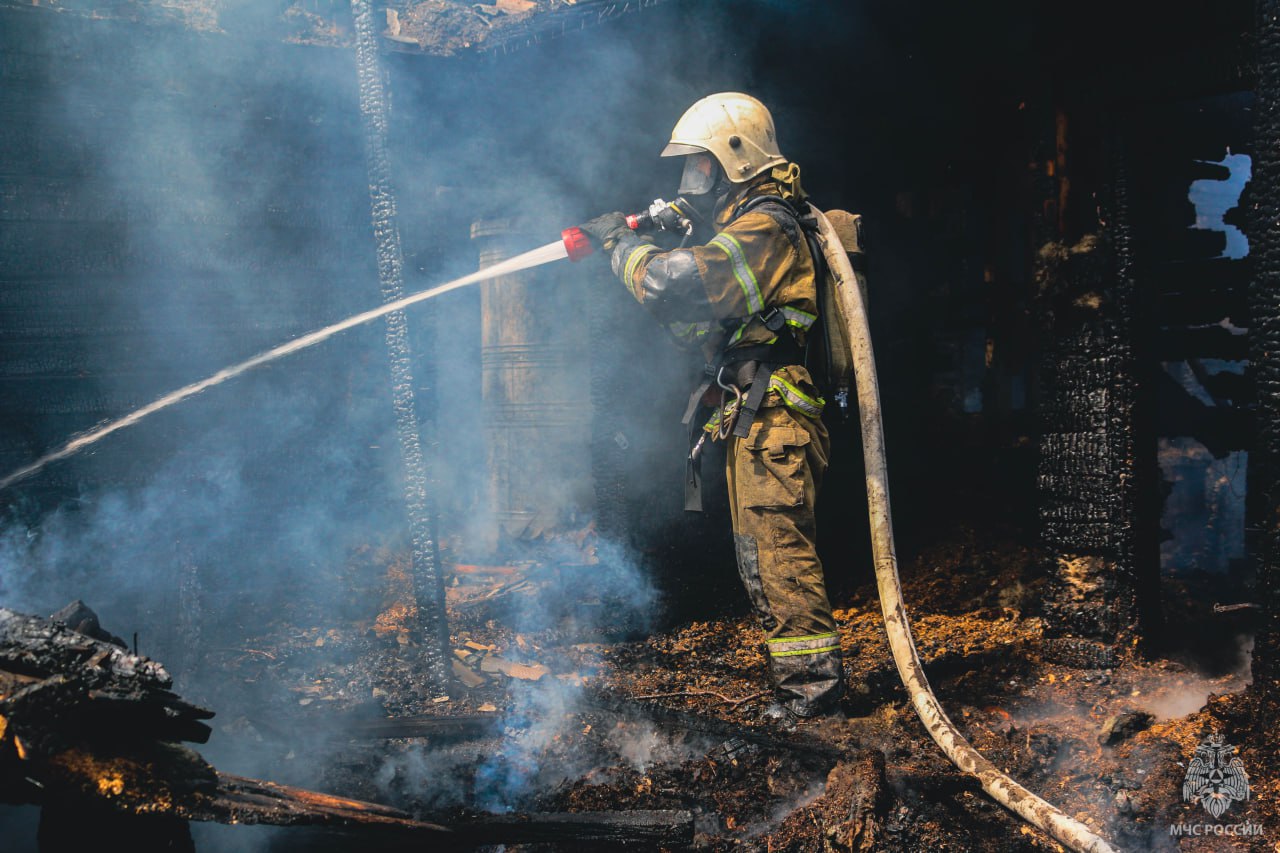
(999, 786)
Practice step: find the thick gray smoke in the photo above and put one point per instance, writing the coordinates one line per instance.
(223, 177)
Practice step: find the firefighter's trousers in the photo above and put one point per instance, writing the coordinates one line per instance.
(774, 474)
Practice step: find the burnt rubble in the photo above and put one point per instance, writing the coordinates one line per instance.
(93, 734)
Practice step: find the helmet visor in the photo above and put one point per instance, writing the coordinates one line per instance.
(699, 174)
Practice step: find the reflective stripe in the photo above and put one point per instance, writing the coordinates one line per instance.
(777, 640)
(796, 399)
(803, 652)
(690, 331)
(799, 319)
(784, 647)
(628, 272)
(741, 271)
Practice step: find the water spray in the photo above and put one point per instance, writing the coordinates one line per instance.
(573, 244)
(546, 254)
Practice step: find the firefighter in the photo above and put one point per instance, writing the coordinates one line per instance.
(749, 296)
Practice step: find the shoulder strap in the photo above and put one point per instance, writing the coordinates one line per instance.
(790, 219)
(802, 228)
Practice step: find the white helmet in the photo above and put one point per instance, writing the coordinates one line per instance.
(734, 128)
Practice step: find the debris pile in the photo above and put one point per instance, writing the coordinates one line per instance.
(548, 722)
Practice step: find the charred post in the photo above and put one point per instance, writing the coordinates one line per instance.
(1264, 350)
(428, 579)
(1087, 462)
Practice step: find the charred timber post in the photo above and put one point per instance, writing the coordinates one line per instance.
(1139, 566)
(1086, 457)
(428, 580)
(1264, 348)
(1088, 446)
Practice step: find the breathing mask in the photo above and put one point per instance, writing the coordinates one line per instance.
(703, 183)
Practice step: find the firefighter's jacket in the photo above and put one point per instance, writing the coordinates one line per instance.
(716, 294)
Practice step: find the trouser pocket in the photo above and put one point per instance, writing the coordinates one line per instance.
(773, 473)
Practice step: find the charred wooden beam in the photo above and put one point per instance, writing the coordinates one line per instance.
(239, 799)
(87, 727)
(657, 829)
(420, 508)
(60, 688)
(650, 830)
(1264, 339)
(424, 726)
(800, 745)
(35, 646)
(80, 822)
(1087, 465)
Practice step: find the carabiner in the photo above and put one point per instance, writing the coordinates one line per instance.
(728, 411)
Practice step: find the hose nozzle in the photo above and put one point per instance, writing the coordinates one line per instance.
(576, 243)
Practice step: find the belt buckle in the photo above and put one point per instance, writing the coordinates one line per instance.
(774, 319)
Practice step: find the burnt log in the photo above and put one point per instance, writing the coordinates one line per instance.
(85, 726)
(76, 823)
(238, 799)
(83, 721)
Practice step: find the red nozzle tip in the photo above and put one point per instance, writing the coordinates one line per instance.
(576, 243)
(633, 221)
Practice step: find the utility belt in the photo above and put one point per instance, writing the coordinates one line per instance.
(743, 375)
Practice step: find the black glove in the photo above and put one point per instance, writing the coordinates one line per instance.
(605, 230)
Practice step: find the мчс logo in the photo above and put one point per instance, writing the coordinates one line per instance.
(1215, 777)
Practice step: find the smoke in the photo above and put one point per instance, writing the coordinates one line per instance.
(544, 741)
(222, 180)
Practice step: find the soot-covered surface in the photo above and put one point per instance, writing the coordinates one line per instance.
(584, 721)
